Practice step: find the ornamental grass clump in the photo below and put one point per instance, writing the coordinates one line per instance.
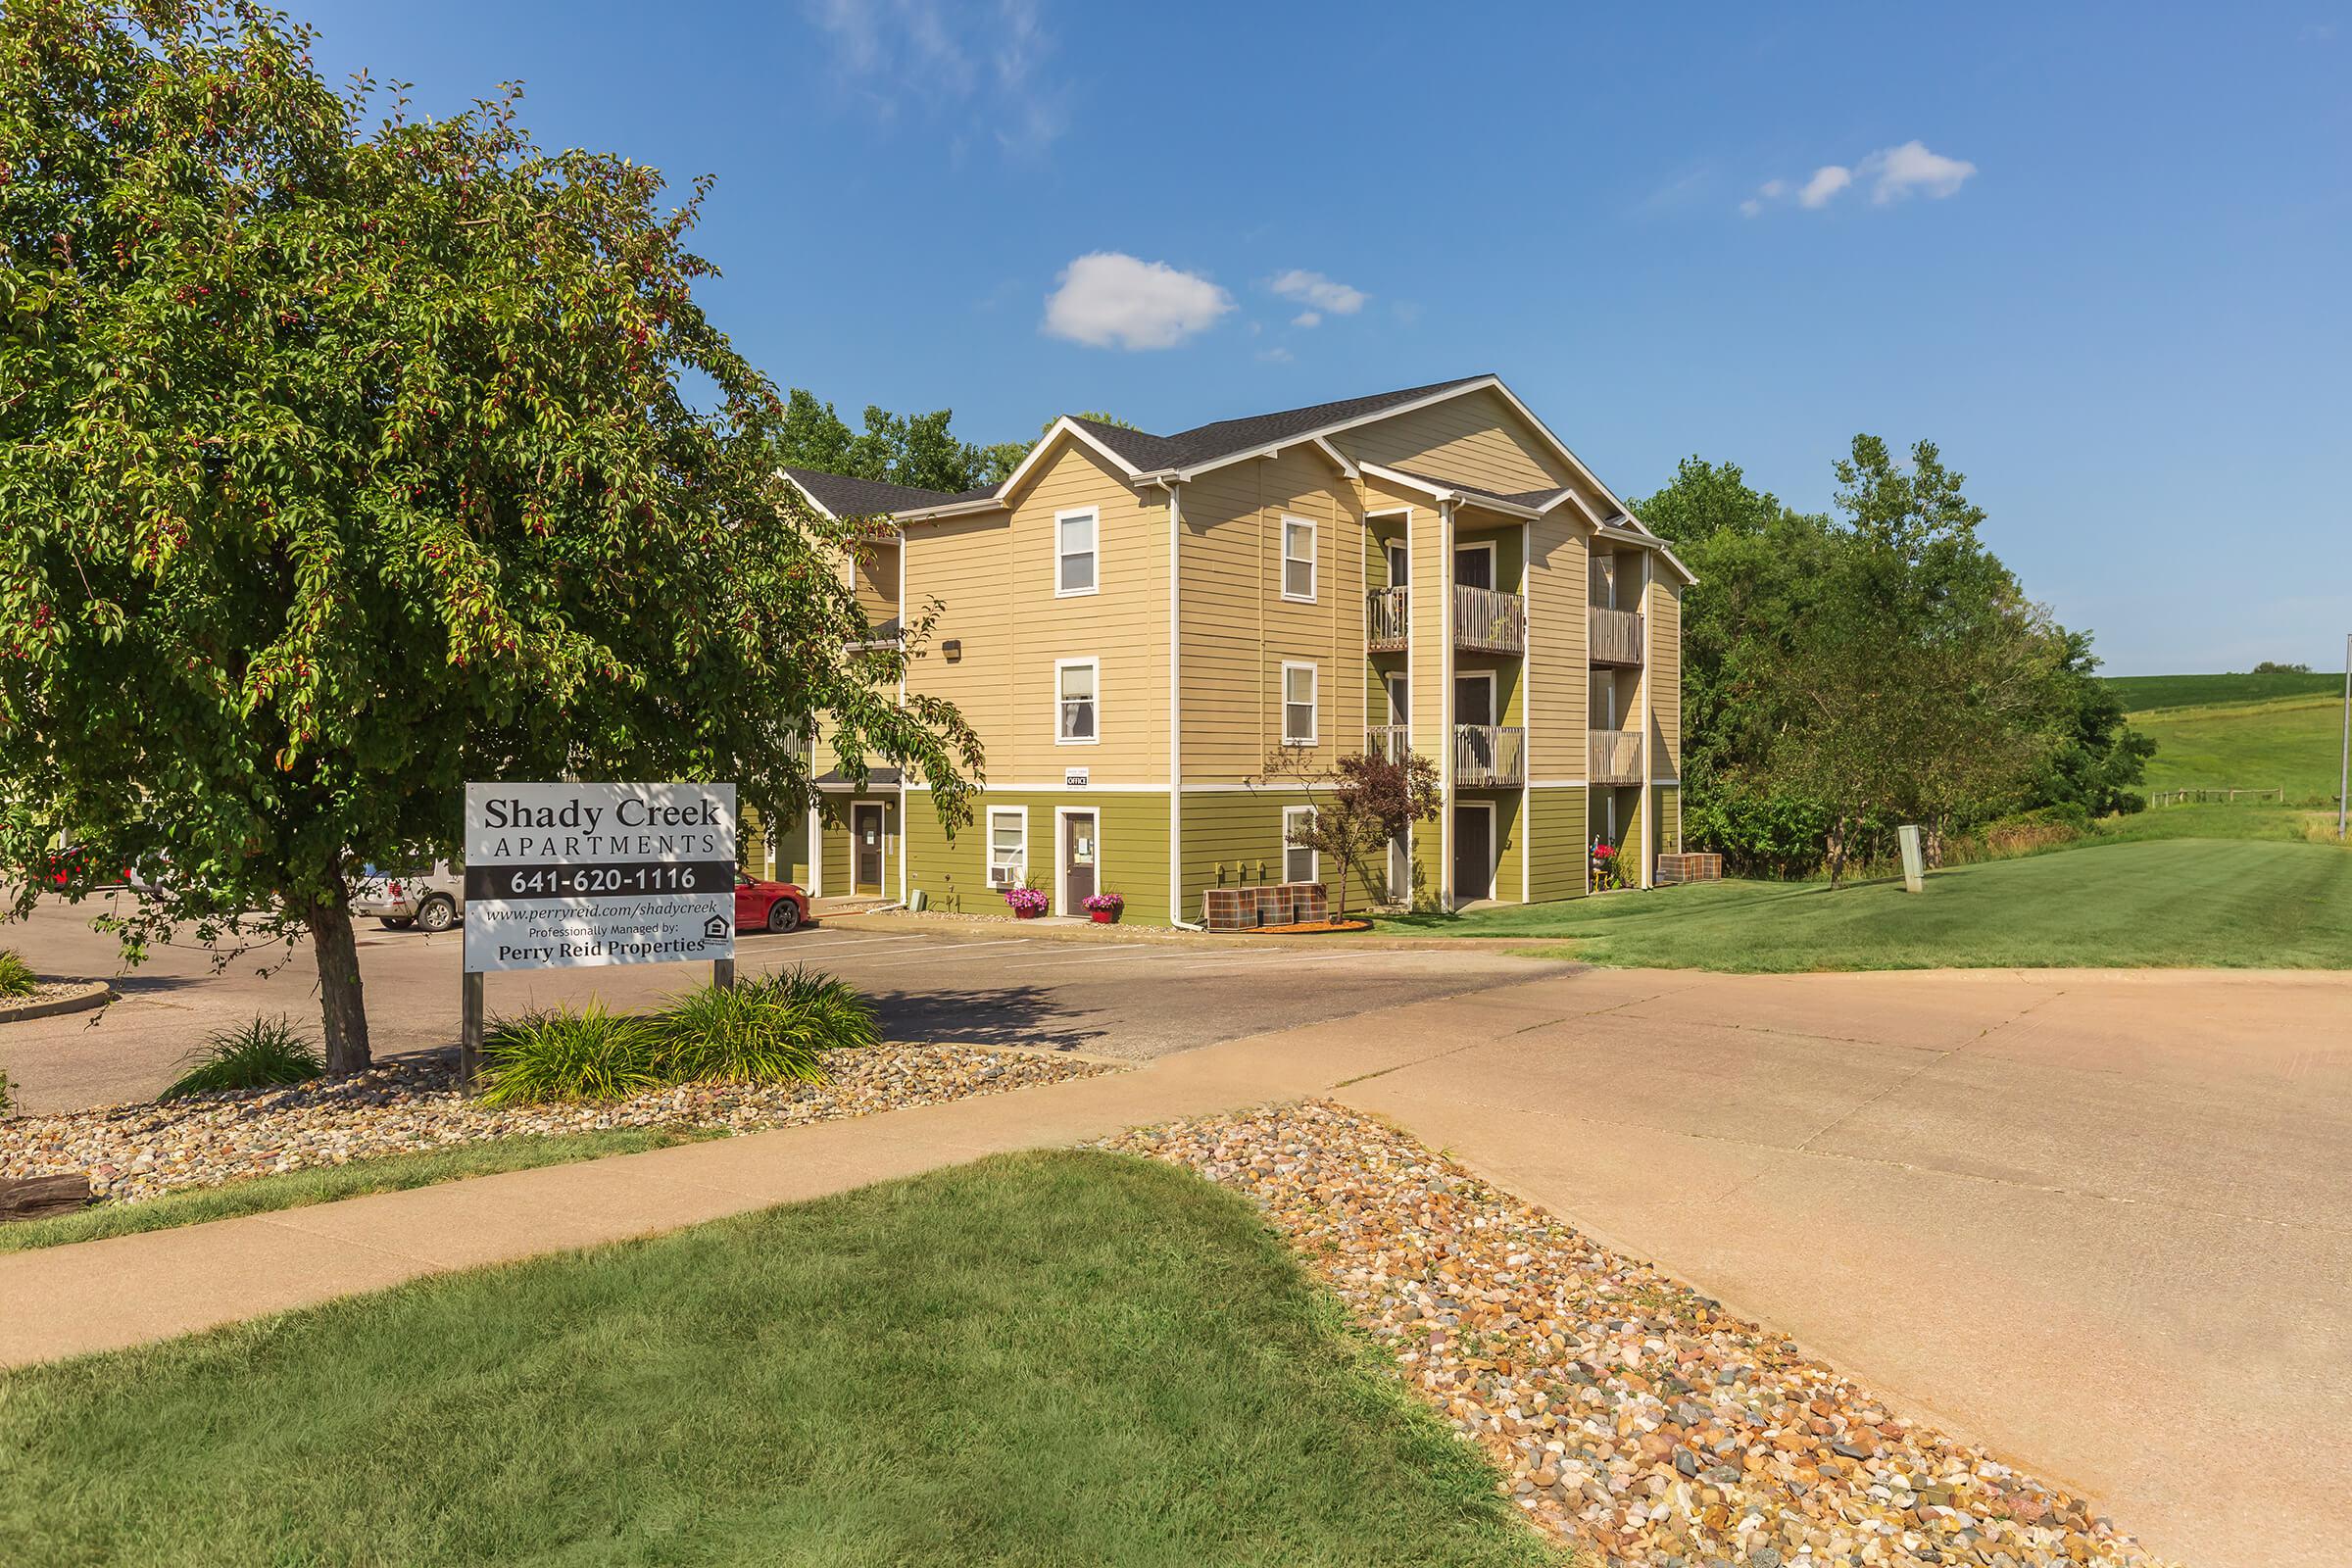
(16, 978)
(262, 1053)
(765, 1030)
(559, 1054)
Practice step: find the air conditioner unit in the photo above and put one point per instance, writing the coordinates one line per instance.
(1004, 876)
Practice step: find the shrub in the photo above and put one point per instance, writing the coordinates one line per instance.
(253, 1055)
(8, 1096)
(765, 1030)
(562, 1054)
(16, 978)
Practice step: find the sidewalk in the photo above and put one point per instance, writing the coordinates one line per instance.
(99, 1295)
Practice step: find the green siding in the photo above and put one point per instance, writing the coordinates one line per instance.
(1557, 818)
(833, 829)
(1132, 853)
(1509, 884)
(782, 853)
(1233, 839)
(1670, 819)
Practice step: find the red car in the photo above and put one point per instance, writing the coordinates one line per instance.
(768, 906)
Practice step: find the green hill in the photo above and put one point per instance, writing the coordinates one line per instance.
(2141, 693)
(2291, 744)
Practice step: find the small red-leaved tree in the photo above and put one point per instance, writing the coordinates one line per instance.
(1362, 804)
(341, 463)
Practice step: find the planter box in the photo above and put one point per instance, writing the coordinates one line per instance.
(1104, 917)
(1679, 868)
(1248, 908)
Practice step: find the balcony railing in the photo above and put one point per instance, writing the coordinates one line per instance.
(1616, 755)
(1487, 622)
(1616, 636)
(1389, 741)
(1489, 757)
(1388, 619)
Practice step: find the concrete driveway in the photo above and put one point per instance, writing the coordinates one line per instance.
(1126, 994)
(2100, 1222)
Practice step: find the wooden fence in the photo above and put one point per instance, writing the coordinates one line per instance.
(2187, 797)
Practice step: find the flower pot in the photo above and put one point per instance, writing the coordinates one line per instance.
(1026, 914)
(1104, 916)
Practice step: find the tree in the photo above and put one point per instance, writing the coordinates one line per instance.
(2273, 666)
(1362, 804)
(340, 465)
(919, 448)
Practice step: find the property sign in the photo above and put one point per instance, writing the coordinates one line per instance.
(562, 876)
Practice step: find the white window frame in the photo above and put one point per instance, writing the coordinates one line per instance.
(1399, 553)
(1493, 695)
(1314, 857)
(1094, 665)
(1020, 869)
(1312, 574)
(1094, 519)
(1398, 684)
(1494, 561)
(1314, 703)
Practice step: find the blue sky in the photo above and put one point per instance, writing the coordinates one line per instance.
(2099, 254)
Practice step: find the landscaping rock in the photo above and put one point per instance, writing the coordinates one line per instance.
(1630, 1416)
(405, 1107)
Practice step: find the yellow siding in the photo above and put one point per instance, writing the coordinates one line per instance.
(1670, 820)
(1238, 629)
(1559, 865)
(994, 577)
(1663, 606)
(1476, 439)
(1556, 655)
(875, 574)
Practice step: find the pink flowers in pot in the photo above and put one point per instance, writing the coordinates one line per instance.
(1027, 902)
(1105, 901)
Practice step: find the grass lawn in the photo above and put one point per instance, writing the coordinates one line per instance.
(261, 1195)
(1040, 1359)
(2140, 693)
(2144, 899)
(2294, 743)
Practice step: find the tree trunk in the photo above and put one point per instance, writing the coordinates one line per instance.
(341, 1007)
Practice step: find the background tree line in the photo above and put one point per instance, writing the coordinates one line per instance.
(1845, 673)
(910, 449)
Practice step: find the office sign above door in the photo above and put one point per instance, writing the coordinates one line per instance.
(563, 876)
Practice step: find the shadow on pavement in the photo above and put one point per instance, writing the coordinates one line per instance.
(1008, 1015)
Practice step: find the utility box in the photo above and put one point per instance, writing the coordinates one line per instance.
(1915, 863)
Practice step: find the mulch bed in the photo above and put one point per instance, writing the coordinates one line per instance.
(1630, 1416)
(1312, 928)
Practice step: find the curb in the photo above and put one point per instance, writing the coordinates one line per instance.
(96, 994)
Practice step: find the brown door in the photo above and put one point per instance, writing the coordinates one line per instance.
(1474, 566)
(1078, 855)
(1473, 853)
(865, 836)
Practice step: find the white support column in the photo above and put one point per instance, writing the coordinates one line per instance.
(1649, 810)
(1175, 710)
(1527, 716)
(1444, 588)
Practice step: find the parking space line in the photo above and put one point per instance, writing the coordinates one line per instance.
(1144, 955)
(936, 955)
(845, 942)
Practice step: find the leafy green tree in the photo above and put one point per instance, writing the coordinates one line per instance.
(340, 463)
(1362, 804)
(916, 449)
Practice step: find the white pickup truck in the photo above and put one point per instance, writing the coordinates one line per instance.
(425, 897)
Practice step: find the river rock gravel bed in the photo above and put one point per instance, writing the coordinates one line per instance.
(1630, 1416)
(137, 1152)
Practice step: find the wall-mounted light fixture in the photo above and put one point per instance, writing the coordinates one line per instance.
(954, 649)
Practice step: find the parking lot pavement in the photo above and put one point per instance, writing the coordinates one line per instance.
(1133, 995)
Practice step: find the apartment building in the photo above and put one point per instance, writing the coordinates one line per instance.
(1133, 622)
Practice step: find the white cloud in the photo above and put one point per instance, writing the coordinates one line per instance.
(1107, 299)
(1320, 292)
(1307, 319)
(1893, 172)
(1277, 355)
(1826, 181)
(1911, 168)
(981, 64)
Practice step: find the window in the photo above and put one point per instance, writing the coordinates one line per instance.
(1008, 845)
(1474, 566)
(1074, 682)
(1074, 553)
(1298, 705)
(1299, 861)
(1298, 559)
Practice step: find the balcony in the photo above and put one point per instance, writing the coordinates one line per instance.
(1389, 741)
(1615, 755)
(1388, 619)
(1489, 757)
(1486, 622)
(1616, 636)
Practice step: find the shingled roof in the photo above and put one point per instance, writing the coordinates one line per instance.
(845, 496)
(1205, 443)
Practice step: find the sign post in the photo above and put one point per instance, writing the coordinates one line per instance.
(567, 876)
